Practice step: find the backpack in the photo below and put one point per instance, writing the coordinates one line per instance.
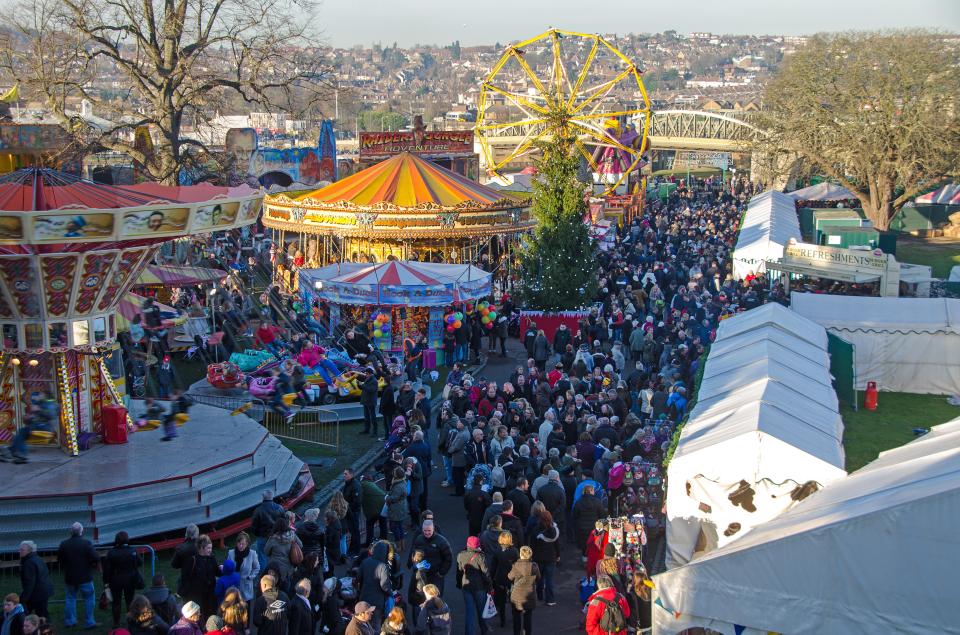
(615, 476)
(498, 477)
(612, 620)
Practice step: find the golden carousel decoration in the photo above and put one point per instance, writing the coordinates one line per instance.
(404, 208)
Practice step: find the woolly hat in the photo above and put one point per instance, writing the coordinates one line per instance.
(553, 475)
(473, 542)
(190, 609)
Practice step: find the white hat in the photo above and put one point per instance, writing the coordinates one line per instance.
(190, 609)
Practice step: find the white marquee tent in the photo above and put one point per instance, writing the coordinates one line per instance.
(875, 552)
(823, 192)
(765, 425)
(768, 225)
(903, 344)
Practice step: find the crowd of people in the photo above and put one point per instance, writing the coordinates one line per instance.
(560, 461)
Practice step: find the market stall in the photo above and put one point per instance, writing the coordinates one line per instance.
(400, 300)
(767, 227)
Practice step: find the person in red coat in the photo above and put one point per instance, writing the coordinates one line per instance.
(596, 544)
(596, 608)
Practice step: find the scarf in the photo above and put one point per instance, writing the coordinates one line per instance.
(239, 555)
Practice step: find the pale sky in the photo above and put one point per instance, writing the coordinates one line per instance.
(349, 22)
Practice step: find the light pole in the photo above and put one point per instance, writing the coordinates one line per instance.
(213, 320)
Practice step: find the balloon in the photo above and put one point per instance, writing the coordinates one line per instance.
(485, 320)
(451, 318)
(492, 315)
(450, 328)
(459, 315)
(484, 311)
(489, 325)
(378, 333)
(457, 324)
(385, 327)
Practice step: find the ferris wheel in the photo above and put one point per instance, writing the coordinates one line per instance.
(573, 84)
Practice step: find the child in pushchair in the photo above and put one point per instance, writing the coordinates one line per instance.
(399, 437)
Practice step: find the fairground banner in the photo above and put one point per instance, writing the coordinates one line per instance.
(381, 295)
(378, 145)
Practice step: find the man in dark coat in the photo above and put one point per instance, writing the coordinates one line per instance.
(34, 580)
(368, 399)
(586, 512)
(436, 550)
(420, 450)
(351, 494)
(270, 613)
(78, 560)
(520, 497)
(264, 516)
(511, 523)
(301, 613)
(374, 581)
(553, 497)
(476, 502)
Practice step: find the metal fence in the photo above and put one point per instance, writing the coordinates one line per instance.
(10, 571)
(311, 424)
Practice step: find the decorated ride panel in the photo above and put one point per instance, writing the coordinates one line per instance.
(161, 220)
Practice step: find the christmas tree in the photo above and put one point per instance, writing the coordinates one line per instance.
(558, 263)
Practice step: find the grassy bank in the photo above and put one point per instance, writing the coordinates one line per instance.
(867, 433)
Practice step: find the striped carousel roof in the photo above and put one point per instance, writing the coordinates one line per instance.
(408, 181)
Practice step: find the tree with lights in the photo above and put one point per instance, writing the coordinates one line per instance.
(558, 261)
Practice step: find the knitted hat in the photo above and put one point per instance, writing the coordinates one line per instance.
(473, 542)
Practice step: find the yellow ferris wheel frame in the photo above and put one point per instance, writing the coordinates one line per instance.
(557, 105)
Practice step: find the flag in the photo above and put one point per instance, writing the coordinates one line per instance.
(11, 95)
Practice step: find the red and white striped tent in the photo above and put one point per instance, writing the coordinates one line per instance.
(397, 282)
(947, 195)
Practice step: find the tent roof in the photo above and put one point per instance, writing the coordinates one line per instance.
(891, 315)
(398, 272)
(773, 334)
(163, 275)
(823, 192)
(949, 194)
(774, 314)
(770, 220)
(768, 390)
(749, 352)
(815, 388)
(408, 181)
(749, 424)
(869, 553)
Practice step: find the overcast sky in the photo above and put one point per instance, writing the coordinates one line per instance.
(349, 22)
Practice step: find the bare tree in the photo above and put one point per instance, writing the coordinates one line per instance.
(165, 65)
(878, 112)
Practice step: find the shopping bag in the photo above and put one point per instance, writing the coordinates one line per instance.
(490, 608)
(588, 586)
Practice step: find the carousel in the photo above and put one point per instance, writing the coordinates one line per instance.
(403, 208)
(70, 250)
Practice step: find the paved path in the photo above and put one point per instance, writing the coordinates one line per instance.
(565, 616)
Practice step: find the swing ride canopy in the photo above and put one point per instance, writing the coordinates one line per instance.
(397, 282)
(403, 197)
(71, 248)
(167, 276)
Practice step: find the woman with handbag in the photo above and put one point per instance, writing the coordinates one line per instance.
(284, 550)
(525, 575)
(121, 573)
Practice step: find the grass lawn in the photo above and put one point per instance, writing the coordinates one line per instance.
(868, 433)
(939, 253)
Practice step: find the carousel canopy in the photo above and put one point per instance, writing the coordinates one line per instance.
(403, 197)
(131, 305)
(396, 282)
(163, 275)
